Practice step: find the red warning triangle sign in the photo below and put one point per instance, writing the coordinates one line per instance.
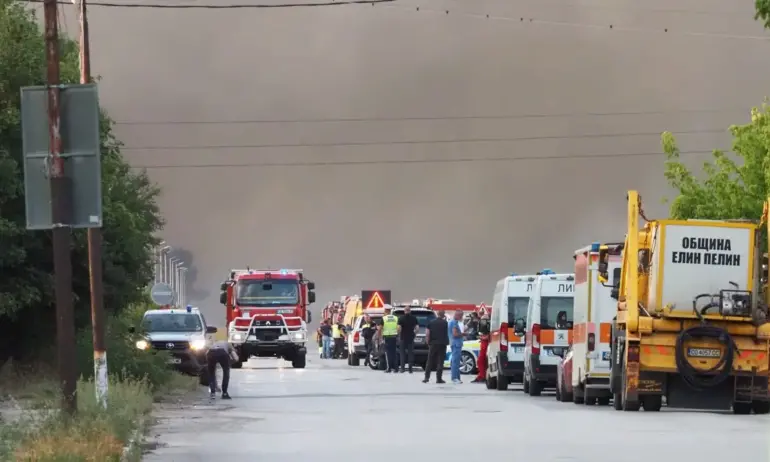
(375, 301)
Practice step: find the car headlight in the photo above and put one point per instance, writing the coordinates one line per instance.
(142, 344)
(299, 336)
(237, 337)
(198, 344)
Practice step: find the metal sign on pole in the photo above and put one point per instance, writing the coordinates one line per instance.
(162, 294)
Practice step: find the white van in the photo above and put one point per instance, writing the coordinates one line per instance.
(505, 354)
(594, 312)
(549, 329)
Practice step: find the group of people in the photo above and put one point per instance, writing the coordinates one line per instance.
(331, 339)
(442, 334)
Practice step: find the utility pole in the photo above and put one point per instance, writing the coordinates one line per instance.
(61, 210)
(96, 278)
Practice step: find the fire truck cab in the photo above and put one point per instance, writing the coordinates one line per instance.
(267, 313)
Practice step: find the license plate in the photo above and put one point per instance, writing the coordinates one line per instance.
(519, 349)
(419, 340)
(704, 352)
(175, 361)
(605, 355)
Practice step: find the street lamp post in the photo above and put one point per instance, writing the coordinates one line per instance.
(182, 286)
(164, 263)
(173, 264)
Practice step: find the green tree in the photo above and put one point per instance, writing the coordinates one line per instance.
(732, 186)
(131, 215)
(763, 12)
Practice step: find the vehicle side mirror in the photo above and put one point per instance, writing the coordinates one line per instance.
(211, 330)
(223, 286)
(309, 317)
(223, 298)
(311, 297)
(310, 285)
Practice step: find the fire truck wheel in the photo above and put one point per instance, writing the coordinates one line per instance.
(741, 408)
(298, 362)
(652, 403)
(761, 407)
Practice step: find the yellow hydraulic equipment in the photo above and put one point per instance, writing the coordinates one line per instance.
(691, 315)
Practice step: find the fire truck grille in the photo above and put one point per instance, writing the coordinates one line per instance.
(266, 335)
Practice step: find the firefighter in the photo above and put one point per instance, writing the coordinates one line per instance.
(484, 341)
(390, 339)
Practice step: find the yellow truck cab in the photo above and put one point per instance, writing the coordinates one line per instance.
(548, 329)
(594, 313)
(690, 327)
(505, 353)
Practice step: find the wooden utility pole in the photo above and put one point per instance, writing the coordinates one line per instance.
(61, 209)
(96, 278)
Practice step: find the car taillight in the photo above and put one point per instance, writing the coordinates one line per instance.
(356, 337)
(591, 342)
(504, 337)
(536, 339)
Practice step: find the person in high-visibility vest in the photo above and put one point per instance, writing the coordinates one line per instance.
(337, 338)
(390, 338)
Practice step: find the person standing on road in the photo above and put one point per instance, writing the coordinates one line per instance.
(407, 329)
(221, 352)
(390, 338)
(326, 333)
(484, 345)
(437, 336)
(368, 330)
(456, 343)
(337, 338)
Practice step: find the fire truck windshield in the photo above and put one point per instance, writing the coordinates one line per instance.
(276, 292)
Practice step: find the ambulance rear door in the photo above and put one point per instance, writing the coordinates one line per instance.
(556, 299)
(518, 291)
(601, 312)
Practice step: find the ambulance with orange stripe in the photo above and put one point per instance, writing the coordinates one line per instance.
(505, 355)
(549, 329)
(592, 332)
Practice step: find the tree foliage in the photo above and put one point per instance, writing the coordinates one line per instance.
(732, 186)
(131, 216)
(763, 12)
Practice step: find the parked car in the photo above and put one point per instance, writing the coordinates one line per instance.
(564, 377)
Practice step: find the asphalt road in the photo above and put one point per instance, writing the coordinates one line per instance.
(331, 412)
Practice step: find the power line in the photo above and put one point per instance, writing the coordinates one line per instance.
(414, 142)
(404, 161)
(609, 27)
(321, 120)
(191, 6)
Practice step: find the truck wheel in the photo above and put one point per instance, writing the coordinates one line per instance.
(741, 408)
(203, 377)
(535, 388)
(298, 362)
(491, 382)
(354, 359)
(761, 407)
(652, 403)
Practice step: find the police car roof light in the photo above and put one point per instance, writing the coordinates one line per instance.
(547, 271)
(595, 246)
(189, 308)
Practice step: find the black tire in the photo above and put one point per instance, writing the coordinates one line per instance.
(374, 364)
(535, 388)
(566, 396)
(491, 382)
(742, 408)
(203, 377)
(617, 401)
(298, 362)
(761, 407)
(604, 401)
(350, 360)
(652, 403)
(502, 381)
(590, 401)
(525, 384)
(354, 360)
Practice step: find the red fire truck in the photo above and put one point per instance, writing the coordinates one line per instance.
(267, 313)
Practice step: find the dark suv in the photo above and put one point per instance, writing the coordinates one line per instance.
(424, 317)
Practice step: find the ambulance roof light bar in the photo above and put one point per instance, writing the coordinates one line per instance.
(596, 246)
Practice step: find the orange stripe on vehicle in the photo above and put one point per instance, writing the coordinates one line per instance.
(512, 337)
(547, 336)
(605, 332)
(579, 332)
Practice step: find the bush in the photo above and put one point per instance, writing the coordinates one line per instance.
(94, 434)
(124, 360)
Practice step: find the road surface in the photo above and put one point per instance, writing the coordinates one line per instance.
(331, 412)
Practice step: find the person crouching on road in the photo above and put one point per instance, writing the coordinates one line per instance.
(484, 341)
(221, 352)
(390, 338)
(437, 337)
(456, 343)
(326, 333)
(368, 330)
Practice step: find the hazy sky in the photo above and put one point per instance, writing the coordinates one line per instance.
(440, 229)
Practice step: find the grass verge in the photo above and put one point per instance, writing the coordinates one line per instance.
(95, 434)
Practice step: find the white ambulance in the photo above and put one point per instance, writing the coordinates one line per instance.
(549, 329)
(505, 354)
(592, 331)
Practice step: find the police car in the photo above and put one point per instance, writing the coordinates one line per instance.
(469, 357)
(181, 332)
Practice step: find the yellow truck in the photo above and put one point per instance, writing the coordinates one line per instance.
(691, 323)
